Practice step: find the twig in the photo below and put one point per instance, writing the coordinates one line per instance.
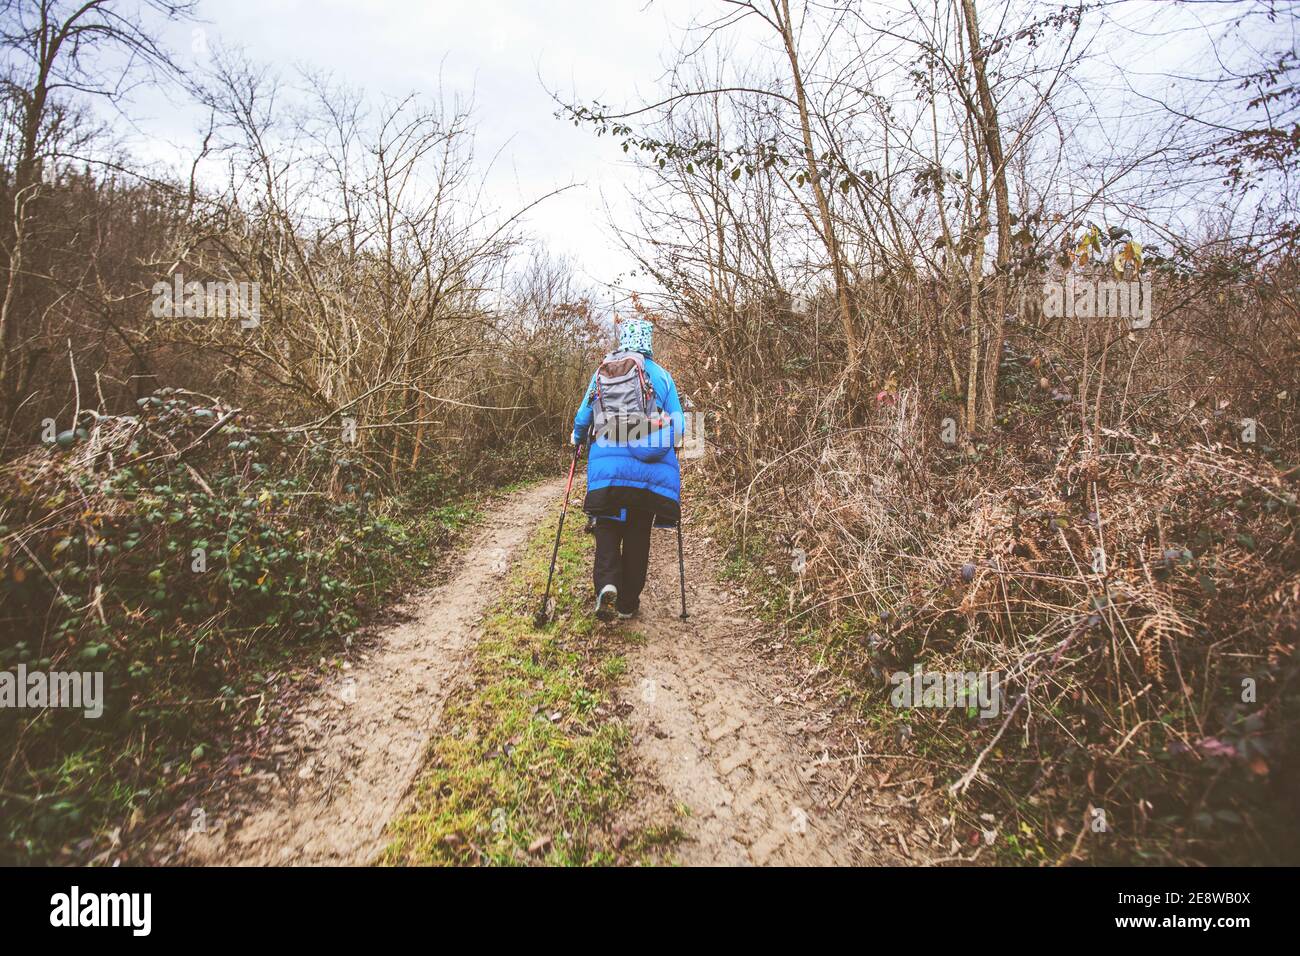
(966, 779)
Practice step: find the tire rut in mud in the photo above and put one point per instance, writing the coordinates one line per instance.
(740, 776)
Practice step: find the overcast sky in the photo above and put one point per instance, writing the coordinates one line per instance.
(505, 53)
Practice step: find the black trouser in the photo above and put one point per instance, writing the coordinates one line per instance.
(623, 555)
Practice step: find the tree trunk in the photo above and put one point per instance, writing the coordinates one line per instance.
(851, 338)
(992, 136)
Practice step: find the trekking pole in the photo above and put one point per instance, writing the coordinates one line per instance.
(539, 619)
(681, 563)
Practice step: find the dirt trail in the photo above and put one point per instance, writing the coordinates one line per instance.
(738, 736)
(354, 750)
(736, 740)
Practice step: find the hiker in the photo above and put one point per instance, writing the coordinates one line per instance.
(633, 418)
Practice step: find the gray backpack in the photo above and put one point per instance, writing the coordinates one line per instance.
(624, 399)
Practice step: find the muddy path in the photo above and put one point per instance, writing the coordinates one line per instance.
(736, 739)
(744, 741)
(353, 750)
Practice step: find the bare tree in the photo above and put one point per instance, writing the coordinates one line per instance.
(51, 48)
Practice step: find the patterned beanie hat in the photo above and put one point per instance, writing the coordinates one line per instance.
(635, 335)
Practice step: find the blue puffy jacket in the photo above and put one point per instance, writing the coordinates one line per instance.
(642, 473)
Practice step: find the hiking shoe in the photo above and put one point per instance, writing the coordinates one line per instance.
(605, 602)
(626, 615)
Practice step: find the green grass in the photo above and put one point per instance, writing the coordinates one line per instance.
(199, 687)
(532, 765)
